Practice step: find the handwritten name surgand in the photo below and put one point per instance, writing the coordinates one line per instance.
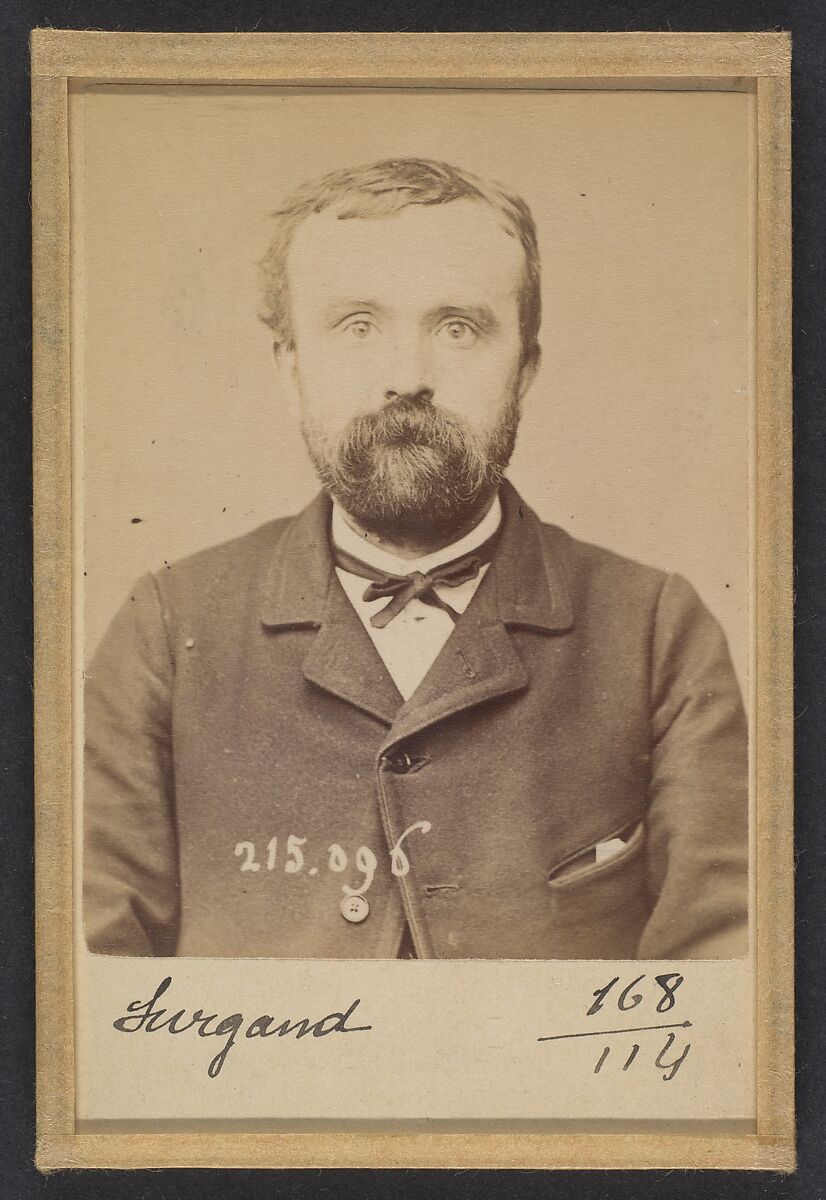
(145, 1017)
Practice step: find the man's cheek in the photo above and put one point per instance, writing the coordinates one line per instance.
(474, 388)
(333, 373)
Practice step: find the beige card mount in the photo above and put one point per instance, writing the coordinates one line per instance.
(657, 169)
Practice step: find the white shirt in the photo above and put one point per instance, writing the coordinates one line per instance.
(410, 643)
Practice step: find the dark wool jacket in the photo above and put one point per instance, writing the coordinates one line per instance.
(237, 705)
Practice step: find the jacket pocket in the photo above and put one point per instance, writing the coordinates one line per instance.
(586, 864)
(600, 909)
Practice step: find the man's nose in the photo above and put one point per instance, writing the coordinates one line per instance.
(409, 375)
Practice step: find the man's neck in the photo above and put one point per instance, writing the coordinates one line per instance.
(415, 546)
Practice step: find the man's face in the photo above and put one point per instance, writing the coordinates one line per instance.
(406, 360)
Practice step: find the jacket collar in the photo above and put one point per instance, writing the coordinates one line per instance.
(530, 580)
(524, 586)
(301, 570)
(302, 590)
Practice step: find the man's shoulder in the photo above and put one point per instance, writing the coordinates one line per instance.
(228, 563)
(592, 565)
(613, 587)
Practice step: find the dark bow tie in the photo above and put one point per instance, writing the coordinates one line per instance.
(417, 585)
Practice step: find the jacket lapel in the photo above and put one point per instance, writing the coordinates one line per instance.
(526, 586)
(344, 661)
(477, 663)
(302, 590)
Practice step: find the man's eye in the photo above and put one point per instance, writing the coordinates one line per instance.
(359, 329)
(460, 333)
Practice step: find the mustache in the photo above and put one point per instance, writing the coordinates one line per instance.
(407, 421)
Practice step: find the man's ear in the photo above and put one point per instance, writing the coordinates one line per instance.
(528, 370)
(285, 365)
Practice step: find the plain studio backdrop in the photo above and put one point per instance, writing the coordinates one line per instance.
(636, 432)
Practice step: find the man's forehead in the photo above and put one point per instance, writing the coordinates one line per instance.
(463, 240)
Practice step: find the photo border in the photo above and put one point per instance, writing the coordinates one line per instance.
(737, 60)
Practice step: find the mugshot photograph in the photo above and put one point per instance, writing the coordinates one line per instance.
(412, 720)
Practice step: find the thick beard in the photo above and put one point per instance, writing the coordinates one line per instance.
(412, 469)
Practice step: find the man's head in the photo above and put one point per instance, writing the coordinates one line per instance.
(404, 299)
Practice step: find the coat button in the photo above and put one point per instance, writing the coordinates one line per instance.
(355, 909)
(399, 763)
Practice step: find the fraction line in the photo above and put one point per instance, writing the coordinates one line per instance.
(555, 1037)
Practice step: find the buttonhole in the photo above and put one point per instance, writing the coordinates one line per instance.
(466, 667)
(432, 889)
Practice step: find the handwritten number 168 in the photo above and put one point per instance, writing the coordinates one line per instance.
(628, 998)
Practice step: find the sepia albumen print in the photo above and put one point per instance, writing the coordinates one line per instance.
(409, 716)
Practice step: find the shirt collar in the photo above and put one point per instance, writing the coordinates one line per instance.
(354, 543)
